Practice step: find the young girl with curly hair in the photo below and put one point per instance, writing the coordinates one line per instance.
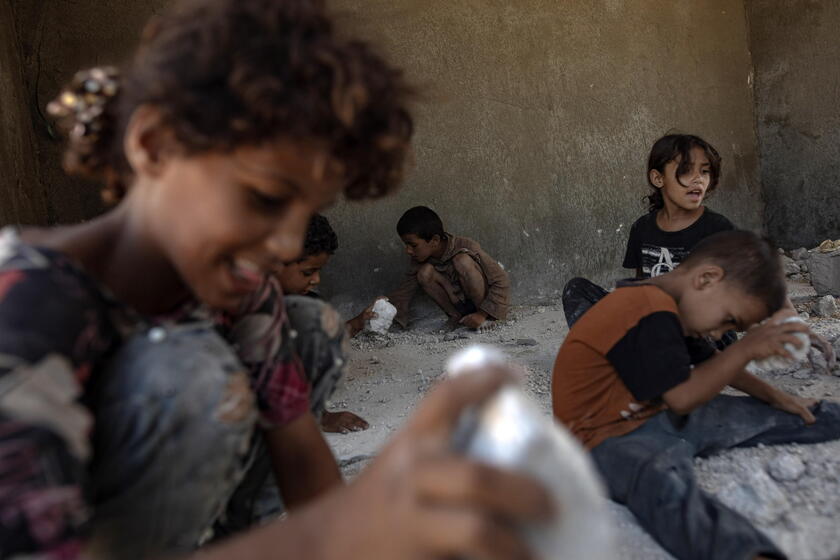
(147, 359)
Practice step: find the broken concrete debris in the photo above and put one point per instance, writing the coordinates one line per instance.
(786, 467)
(826, 306)
(825, 273)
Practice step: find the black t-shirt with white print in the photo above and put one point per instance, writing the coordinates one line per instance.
(656, 251)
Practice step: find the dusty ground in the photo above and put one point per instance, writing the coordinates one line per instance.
(792, 492)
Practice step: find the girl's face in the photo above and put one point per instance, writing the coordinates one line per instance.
(225, 221)
(686, 191)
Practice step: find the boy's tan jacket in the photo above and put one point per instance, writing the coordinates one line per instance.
(495, 304)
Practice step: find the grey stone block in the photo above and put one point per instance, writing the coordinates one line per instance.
(790, 266)
(825, 273)
(799, 254)
(826, 306)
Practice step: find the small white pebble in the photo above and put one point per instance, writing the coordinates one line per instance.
(157, 334)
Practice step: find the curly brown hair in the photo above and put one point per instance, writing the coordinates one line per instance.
(228, 73)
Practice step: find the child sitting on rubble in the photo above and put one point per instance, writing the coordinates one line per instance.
(462, 279)
(301, 278)
(682, 171)
(637, 384)
(147, 357)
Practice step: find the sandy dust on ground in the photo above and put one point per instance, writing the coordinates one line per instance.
(792, 492)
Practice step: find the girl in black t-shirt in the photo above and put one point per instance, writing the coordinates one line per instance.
(682, 170)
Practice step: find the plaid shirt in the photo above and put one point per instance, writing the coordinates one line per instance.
(57, 327)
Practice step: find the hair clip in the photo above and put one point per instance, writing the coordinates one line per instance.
(84, 100)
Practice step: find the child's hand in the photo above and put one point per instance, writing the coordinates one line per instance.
(769, 338)
(473, 320)
(421, 501)
(342, 422)
(796, 405)
(357, 323)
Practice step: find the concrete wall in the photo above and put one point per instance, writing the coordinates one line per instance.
(21, 197)
(536, 123)
(57, 38)
(795, 52)
(533, 127)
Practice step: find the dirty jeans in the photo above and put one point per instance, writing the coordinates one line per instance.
(579, 294)
(650, 470)
(175, 415)
(323, 357)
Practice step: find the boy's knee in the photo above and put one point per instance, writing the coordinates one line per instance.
(465, 265)
(426, 274)
(181, 374)
(320, 344)
(576, 286)
(309, 315)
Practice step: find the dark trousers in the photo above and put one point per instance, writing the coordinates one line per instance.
(650, 470)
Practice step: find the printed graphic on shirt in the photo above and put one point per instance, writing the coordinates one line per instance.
(657, 260)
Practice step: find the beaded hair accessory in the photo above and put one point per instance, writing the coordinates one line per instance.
(84, 100)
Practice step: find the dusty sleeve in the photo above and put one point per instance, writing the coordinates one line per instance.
(497, 302)
(402, 296)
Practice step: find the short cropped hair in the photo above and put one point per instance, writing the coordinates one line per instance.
(422, 222)
(320, 237)
(749, 261)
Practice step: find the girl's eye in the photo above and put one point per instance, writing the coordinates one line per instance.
(267, 202)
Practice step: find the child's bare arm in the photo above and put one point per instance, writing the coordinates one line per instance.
(402, 296)
(763, 391)
(418, 498)
(302, 461)
(710, 377)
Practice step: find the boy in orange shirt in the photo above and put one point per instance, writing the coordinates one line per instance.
(637, 383)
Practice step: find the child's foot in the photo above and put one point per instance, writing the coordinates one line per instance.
(342, 422)
(474, 320)
(488, 326)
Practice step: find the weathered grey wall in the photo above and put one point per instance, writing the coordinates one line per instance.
(536, 123)
(796, 54)
(533, 128)
(57, 38)
(21, 196)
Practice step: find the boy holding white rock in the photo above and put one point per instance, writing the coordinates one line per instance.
(460, 277)
(638, 385)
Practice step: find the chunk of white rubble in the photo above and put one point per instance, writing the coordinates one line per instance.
(510, 431)
(799, 354)
(385, 313)
(786, 467)
(756, 496)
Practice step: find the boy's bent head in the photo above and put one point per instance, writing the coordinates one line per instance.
(731, 280)
(421, 230)
(422, 222)
(304, 274)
